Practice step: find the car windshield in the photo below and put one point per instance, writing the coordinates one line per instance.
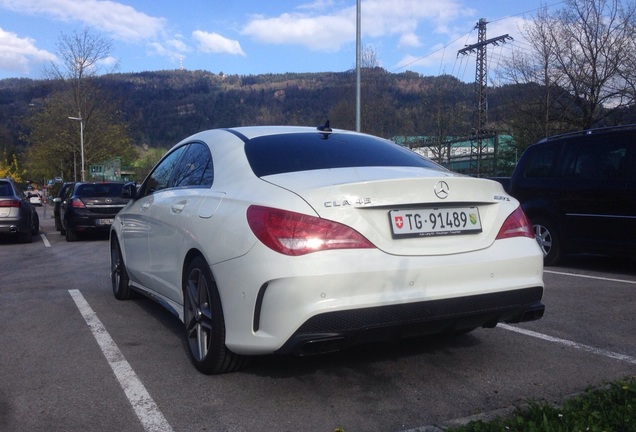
(5, 190)
(276, 154)
(99, 190)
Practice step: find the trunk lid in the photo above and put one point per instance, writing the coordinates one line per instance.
(375, 201)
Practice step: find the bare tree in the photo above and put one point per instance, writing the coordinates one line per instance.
(369, 57)
(82, 56)
(540, 115)
(593, 42)
(582, 59)
(54, 137)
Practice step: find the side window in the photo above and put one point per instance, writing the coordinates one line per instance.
(595, 159)
(541, 163)
(162, 173)
(195, 167)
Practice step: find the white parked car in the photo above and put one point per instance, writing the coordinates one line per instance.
(297, 240)
(34, 198)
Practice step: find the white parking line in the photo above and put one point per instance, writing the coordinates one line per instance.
(45, 240)
(147, 411)
(591, 277)
(571, 344)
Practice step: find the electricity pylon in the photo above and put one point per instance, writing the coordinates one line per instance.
(481, 86)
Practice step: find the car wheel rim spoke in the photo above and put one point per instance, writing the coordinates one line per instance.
(544, 238)
(198, 314)
(115, 270)
(202, 341)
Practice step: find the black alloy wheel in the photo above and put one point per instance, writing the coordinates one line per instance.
(118, 274)
(204, 322)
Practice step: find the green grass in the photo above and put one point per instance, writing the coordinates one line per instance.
(608, 409)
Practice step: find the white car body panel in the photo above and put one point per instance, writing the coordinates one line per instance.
(360, 199)
(307, 286)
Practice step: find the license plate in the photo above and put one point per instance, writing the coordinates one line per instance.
(104, 221)
(434, 222)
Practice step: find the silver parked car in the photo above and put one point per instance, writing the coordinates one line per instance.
(17, 215)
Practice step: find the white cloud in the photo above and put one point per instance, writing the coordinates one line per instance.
(215, 43)
(379, 18)
(317, 5)
(320, 33)
(409, 40)
(20, 54)
(410, 62)
(109, 62)
(118, 20)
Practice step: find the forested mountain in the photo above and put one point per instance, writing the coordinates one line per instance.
(165, 106)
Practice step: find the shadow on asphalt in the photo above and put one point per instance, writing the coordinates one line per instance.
(598, 263)
(356, 357)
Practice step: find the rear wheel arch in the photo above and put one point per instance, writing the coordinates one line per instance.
(204, 321)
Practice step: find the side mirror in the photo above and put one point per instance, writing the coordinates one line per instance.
(129, 191)
(57, 200)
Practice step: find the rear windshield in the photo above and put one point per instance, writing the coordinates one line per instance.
(99, 190)
(277, 154)
(5, 189)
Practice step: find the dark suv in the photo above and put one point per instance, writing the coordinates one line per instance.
(579, 191)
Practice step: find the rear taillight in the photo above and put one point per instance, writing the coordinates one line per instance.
(516, 225)
(77, 203)
(293, 233)
(10, 203)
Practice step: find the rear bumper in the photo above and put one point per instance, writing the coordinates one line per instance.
(14, 225)
(84, 224)
(358, 295)
(338, 330)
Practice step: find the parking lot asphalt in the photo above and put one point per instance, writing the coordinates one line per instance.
(74, 359)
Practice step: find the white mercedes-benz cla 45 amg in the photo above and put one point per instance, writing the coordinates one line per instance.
(299, 240)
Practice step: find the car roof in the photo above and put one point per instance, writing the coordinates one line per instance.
(250, 132)
(596, 131)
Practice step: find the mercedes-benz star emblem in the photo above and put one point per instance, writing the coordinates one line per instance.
(442, 189)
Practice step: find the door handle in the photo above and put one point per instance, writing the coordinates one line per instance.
(178, 208)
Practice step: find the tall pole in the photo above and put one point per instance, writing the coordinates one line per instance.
(358, 61)
(79, 119)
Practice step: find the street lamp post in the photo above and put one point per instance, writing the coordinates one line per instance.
(79, 119)
(358, 65)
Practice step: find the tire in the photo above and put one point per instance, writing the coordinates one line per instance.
(58, 223)
(118, 273)
(71, 236)
(204, 322)
(549, 241)
(35, 224)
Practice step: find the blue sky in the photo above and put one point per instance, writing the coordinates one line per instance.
(249, 37)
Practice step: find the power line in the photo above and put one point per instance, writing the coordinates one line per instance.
(467, 34)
